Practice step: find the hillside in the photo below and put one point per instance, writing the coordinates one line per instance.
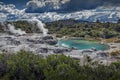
(74, 28)
(71, 28)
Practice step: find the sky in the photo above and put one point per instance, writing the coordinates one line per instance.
(33, 6)
(60, 9)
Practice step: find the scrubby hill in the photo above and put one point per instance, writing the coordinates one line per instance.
(84, 29)
(72, 28)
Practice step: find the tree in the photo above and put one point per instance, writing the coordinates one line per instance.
(63, 72)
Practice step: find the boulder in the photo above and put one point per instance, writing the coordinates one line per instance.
(47, 37)
(42, 50)
(50, 40)
(13, 42)
(61, 50)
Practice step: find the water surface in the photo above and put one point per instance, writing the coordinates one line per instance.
(82, 44)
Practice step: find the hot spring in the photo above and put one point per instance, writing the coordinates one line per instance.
(82, 44)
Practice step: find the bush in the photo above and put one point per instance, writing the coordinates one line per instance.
(29, 66)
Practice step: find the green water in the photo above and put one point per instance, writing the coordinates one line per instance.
(82, 44)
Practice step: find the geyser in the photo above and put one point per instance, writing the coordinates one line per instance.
(40, 25)
(15, 31)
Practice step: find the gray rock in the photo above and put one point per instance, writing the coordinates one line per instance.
(47, 38)
(42, 50)
(13, 42)
(61, 50)
(50, 40)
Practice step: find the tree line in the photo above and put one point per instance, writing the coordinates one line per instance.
(75, 28)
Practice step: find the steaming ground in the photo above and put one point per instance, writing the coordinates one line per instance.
(35, 43)
(17, 39)
(34, 22)
(40, 25)
(46, 45)
(14, 31)
(41, 43)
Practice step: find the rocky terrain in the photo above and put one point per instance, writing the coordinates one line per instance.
(46, 45)
(36, 43)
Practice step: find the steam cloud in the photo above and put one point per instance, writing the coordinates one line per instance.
(14, 31)
(40, 25)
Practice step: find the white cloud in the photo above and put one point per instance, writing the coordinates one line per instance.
(45, 4)
(3, 17)
(9, 12)
(7, 8)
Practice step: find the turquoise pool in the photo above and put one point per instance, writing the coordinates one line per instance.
(82, 44)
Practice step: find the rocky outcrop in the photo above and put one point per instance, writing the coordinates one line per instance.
(11, 41)
(61, 50)
(50, 40)
(43, 40)
(42, 50)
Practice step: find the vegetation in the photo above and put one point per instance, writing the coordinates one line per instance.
(29, 66)
(71, 28)
(23, 25)
(74, 28)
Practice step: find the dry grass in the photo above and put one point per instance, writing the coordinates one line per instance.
(115, 53)
(116, 40)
